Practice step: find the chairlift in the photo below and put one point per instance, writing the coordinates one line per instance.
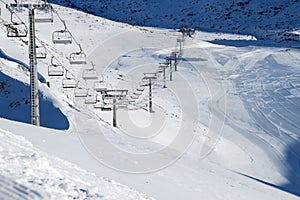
(90, 99)
(44, 14)
(98, 105)
(131, 101)
(103, 106)
(138, 93)
(134, 96)
(90, 73)
(140, 88)
(80, 91)
(100, 86)
(62, 36)
(122, 106)
(41, 52)
(78, 57)
(55, 69)
(107, 102)
(68, 82)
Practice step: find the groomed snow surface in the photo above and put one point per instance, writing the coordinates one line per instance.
(230, 117)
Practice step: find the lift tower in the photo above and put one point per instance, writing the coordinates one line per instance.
(34, 98)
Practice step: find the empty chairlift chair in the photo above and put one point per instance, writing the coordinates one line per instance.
(44, 14)
(68, 82)
(99, 102)
(98, 105)
(55, 69)
(62, 36)
(90, 74)
(90, 99)
(78, 58)
(41, 52)
(123, 104)
(100, 86)
(104, 105)
(80, 91)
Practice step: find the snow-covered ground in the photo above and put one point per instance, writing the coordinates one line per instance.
(226, 127)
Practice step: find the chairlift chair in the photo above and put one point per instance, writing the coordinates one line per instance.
(100, 86)
(41, 52)
(44, 14)
(89, 74)
(68, 82)
(124, 107)
(159, 70)
(134, 96)
(138, 93)
(62, 36)
(103, 107)
(80, 91)
(55, 69)
(140, 88)
(106, 100)
(90, 99)
(78, 58)
(98, 105)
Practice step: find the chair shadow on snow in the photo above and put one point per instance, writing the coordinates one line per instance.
(15, 105)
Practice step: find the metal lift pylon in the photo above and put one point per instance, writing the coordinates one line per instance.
(34, 98)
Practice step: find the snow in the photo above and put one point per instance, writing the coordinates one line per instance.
(56, 178)
(226, 127)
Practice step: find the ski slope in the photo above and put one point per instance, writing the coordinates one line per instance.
(226, 127)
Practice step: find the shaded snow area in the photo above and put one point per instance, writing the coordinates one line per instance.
(15, 98)
(28, 173)
(273, 19)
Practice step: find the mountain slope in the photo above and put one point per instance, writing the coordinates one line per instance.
(275, 19)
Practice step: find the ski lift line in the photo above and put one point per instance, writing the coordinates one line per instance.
(58, 62)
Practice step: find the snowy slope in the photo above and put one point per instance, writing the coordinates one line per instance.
(57, 179)
(241, 143)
